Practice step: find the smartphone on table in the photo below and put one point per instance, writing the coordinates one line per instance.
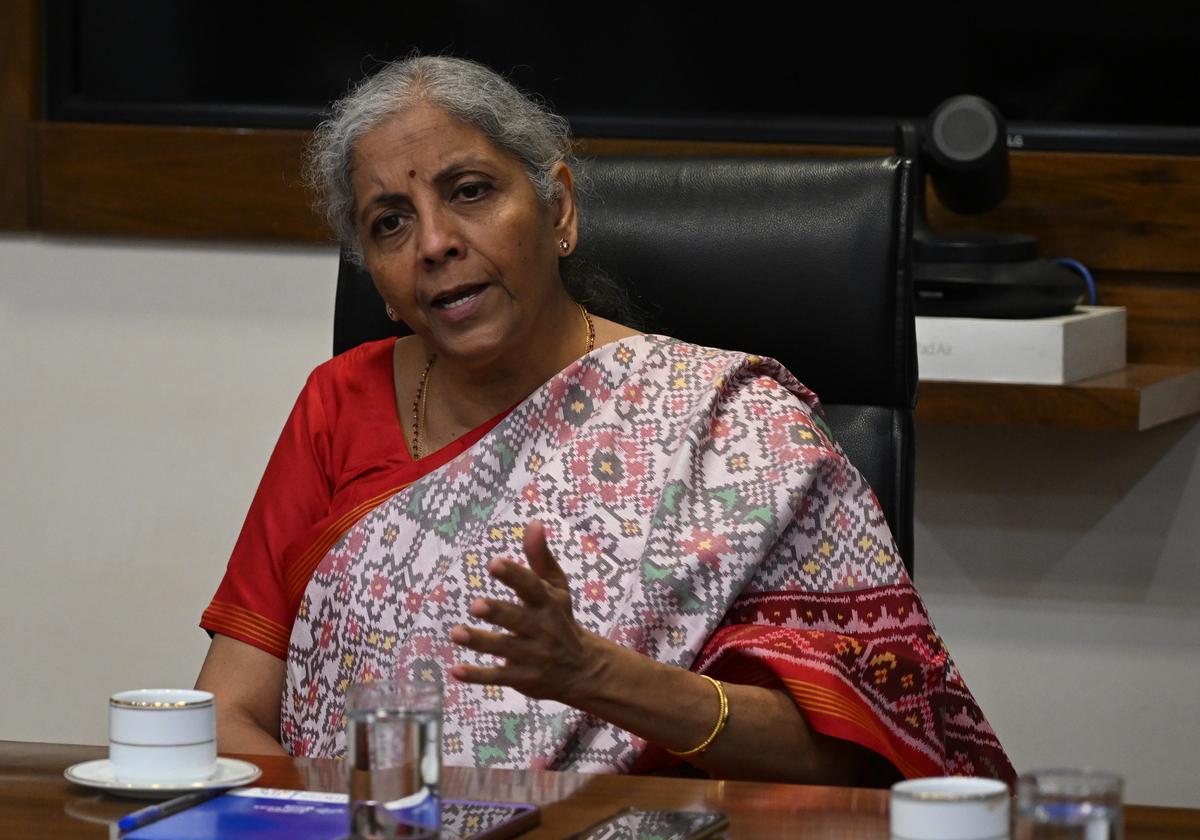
(635, 824)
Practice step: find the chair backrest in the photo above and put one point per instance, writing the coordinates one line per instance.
(804, 260)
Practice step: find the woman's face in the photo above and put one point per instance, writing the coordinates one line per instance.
(455, 236)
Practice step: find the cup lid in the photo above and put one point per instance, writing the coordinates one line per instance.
(161, 698)
(950, 789)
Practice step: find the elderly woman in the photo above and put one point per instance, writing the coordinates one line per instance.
(617, 551)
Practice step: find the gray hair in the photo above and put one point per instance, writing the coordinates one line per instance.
(466, 90)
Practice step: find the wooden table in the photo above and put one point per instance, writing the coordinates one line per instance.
(36, 801)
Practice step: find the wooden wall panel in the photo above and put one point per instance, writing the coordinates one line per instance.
(165, 181)
(1118, 212)
(18, 104)
(176, 181)
(1114, 212)
(1163, 324)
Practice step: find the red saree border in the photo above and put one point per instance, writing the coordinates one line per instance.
(255, 629)
(865, 666)
(837, 713)
(748, 654)
(301, 570)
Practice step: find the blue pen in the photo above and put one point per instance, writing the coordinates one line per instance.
(154, 813)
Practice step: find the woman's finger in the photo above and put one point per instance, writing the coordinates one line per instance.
(479, 674)
(486, 641)
(530, 588)
(541, 559)
(516, 618)
(522, 679)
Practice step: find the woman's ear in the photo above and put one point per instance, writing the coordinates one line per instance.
(566, 216)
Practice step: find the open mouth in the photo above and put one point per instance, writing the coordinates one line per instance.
(457, 297)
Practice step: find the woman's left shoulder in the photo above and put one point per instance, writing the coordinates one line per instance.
(683, 355)
(735, 370)
(716, 383)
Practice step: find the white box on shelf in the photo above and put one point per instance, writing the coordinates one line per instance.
(1043, 351)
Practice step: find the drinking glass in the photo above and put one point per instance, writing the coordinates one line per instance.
(1070, 805)
(394, 753)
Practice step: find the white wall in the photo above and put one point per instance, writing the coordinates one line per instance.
(143, 386)
(141, 390)
(1063, 567)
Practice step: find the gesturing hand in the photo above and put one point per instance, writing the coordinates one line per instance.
(547, 655)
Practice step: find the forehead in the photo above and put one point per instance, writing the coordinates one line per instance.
(425, 139)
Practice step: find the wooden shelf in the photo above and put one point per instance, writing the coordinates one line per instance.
(1138, 397)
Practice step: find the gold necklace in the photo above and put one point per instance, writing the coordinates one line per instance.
(421, 400)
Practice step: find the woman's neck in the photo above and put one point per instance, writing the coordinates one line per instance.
(461, 396)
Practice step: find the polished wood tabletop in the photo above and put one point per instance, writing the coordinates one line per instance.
(36, 801)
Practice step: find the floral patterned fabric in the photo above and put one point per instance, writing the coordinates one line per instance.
(704, 518)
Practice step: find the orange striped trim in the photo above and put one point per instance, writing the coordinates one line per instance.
(302, 569)
(832, 701)
(824, 705)
(821, 700)
(237, 611)
(247, 626)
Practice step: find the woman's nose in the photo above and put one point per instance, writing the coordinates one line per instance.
(439, 238)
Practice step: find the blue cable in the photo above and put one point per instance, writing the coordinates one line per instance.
(1087, 276)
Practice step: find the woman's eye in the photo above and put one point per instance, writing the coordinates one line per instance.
(388, 224)
(474, 190)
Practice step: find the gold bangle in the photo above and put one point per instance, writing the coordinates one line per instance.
(722, 719)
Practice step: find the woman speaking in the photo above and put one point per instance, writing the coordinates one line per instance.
(618, 552)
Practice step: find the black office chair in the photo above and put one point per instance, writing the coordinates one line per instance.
(804, 260)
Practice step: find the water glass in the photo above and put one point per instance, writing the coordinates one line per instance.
(394, 753)
(1070, 805)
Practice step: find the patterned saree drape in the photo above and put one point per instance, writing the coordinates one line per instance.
(704, 517)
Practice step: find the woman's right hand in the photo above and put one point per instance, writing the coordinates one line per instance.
(546, 653)
(247, 683)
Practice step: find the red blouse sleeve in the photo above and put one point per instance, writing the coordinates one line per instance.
(251, 604)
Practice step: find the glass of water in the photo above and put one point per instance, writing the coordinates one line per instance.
(1070, 805)
(394, 758)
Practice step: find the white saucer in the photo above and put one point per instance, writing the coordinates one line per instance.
(99, 774)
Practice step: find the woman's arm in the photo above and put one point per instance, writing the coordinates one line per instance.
(766, 737)
(247, 683)
(548, 655)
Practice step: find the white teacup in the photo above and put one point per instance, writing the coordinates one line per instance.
(162, 735)
(950, 808)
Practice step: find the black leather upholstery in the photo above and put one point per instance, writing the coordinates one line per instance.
(803, 260)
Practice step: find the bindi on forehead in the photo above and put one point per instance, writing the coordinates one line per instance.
(412, 173)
